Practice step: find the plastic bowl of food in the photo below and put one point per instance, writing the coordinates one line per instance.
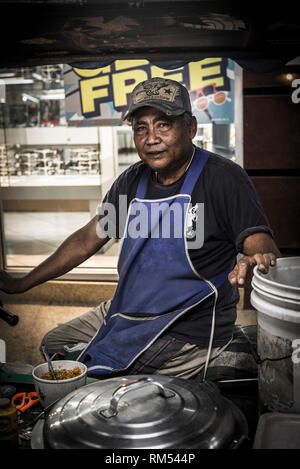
(70, 375)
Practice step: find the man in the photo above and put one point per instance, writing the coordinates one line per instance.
(190, 213)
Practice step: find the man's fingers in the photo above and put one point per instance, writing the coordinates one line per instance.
(260, 261)
(263, 261)
(272, 258)
(232, 276)
(243, 266)
(238, 275)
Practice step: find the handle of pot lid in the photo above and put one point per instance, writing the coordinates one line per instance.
(130, 386)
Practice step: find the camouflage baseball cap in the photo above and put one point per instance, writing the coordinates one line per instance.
(169, 96)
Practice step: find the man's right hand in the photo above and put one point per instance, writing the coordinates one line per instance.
(10, 284)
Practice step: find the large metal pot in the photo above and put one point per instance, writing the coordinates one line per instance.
(137, 412)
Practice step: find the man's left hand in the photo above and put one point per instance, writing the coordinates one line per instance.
(239, 276)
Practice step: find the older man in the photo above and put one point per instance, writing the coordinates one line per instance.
(189, 213)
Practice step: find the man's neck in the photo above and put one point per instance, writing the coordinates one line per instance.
(167, 177)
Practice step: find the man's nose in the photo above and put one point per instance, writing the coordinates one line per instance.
(152, 136)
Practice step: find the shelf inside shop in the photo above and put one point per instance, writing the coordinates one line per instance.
(54, 161)
(59, 180)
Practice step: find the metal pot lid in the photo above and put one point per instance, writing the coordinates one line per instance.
(141, 412)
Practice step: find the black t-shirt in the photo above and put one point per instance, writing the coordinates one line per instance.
(232, 211)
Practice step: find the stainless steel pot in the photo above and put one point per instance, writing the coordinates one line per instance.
(137, 412)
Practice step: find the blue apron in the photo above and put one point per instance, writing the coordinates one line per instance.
(157, 281)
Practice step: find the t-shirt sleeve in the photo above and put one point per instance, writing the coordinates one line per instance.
(238, 204)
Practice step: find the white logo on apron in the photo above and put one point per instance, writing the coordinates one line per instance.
(192, 217)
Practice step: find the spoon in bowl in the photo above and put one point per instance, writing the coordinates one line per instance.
(50, 367)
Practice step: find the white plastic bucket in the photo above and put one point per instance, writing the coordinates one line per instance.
(276, 297)
(49, 390)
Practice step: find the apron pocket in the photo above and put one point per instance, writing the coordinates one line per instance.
(123, 338)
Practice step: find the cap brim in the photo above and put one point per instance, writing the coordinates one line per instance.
(156, 105)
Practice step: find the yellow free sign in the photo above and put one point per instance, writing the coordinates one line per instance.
(96, 84)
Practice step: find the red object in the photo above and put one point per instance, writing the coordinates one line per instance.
(25, 400)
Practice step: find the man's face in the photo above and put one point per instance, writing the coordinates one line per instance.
(163, 142)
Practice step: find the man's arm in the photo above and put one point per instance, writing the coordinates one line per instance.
(78, 247)
(258, 249)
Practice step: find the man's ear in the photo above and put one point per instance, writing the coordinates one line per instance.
(193, 127)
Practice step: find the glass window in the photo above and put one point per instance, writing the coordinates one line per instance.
(52, 177)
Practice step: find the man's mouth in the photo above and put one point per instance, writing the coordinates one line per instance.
(155, 154)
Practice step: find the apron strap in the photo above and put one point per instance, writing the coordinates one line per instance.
(197, 165)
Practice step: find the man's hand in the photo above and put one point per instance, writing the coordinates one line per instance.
(258, 249)
(10, 284)
(242, 273)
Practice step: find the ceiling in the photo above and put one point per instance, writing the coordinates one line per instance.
(40, 32)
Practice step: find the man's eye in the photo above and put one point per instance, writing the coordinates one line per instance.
(164, 125)
(140, 129)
